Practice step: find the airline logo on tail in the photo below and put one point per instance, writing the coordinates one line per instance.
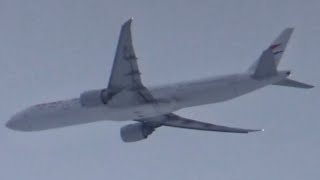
(276, 49)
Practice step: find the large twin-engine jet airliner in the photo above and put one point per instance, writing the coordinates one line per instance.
(126, 98)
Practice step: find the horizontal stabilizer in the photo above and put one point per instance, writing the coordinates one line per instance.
(293, 83)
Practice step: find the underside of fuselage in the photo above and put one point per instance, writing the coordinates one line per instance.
(170, 98)
(213, 90)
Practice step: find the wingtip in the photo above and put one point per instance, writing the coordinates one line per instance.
(256, 130)
(129, 20)
(127, 24)
(289, 30)
(310, 86)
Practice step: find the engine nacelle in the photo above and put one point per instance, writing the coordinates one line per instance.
(135, 132)
(94, 98)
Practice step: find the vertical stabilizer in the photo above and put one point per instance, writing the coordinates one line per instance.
(268, 62)
(266, 65)
(279, 45)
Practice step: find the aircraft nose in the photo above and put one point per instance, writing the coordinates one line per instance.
(17, 122)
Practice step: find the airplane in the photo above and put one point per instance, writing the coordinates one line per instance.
(126, 98)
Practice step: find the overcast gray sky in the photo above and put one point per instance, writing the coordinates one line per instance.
(52, 50)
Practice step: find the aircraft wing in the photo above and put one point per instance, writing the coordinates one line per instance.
(173, 120)
(125, 72)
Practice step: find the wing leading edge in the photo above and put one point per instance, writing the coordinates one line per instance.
(172, 120)
(125, 73)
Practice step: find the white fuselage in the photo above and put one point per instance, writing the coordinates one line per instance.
(169, 99)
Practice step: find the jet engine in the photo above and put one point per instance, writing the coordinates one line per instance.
(135, 132)
(94, 98)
